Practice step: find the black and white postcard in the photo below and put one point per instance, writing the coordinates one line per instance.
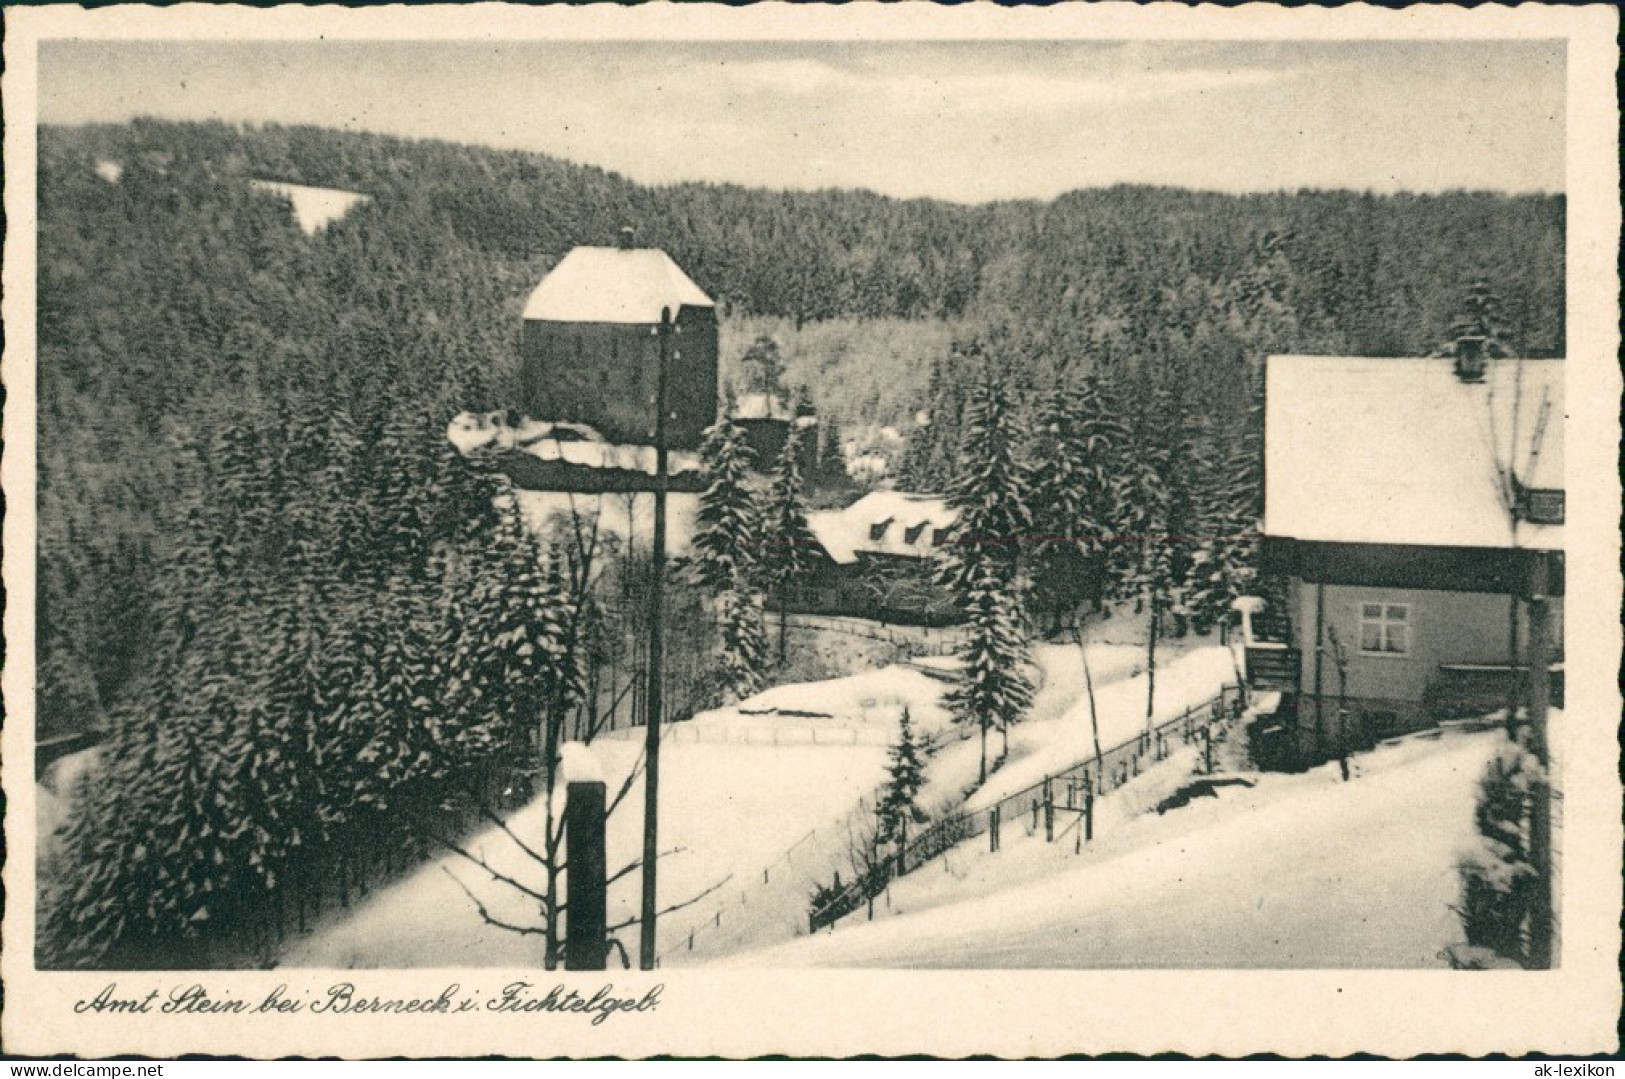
(818, 530)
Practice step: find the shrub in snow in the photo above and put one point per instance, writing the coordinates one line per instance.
(1497, 875)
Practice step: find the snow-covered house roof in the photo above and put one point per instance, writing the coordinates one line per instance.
(611, 284)
(883, 522)
(1403, 451)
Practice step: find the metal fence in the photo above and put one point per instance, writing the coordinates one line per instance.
(1070, 791)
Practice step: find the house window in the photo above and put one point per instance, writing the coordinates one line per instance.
(939, 536)
(877, 531)
(1385, 628)
(912, 535)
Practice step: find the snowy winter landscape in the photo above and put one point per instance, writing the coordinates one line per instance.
(1255, 871)
(456, 553)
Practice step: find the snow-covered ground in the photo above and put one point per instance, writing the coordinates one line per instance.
(759, 800)
(726, 812)
(1295, 871)
(313, 207)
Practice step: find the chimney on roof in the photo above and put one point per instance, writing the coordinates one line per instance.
(627, 232)
(1470, 358)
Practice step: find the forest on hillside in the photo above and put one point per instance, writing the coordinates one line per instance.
(180, 294)
(306, 626)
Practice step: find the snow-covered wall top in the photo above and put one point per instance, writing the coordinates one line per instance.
(572, 443)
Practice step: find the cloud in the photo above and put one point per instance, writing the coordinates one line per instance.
(1029, 91)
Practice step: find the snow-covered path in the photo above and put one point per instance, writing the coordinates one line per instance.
(1299, 871)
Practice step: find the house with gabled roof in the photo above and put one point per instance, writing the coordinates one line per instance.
(875, 559)
(1407, 505)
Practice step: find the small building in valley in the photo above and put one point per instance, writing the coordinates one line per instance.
(1408, 504)
(590, 351)
(875, 560)
(767, 420)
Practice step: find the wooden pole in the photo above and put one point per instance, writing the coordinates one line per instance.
(657, 657)
(1540, 813)
(1320, 651)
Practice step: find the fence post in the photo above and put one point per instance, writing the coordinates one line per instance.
(585, 944)
(1049, 813)
(993, 830)
(1088, 816)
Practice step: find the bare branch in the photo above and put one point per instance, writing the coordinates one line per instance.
(625, 869)
(626, 787)
(674, 907)
(486, 914)
(500, 822)
(504, 878)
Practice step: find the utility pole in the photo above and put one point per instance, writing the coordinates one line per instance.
(654, 711)
(1540, 811)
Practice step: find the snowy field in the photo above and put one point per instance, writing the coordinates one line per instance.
(726, 811)
(758, 801)
(732, 805)
(1296, 871)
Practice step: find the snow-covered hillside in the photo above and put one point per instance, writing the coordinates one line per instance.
(1295, 871)
(760, 802)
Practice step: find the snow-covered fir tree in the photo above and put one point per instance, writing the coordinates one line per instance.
(1074, 500)
(742, 641)
(1224, 556)
(983, 564)
(788, 546)
(995, 689)
(905, 775)
(727, 551)
(991, 491)
(727, 529)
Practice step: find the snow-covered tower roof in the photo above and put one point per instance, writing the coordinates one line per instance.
(613, 284)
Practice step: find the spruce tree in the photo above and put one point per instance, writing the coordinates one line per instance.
(905, 776)
(982, 567)
(727, 545)
(990, 493)
(1073, 499)
(742, 640)
(788, 546)
(727, 527)
(994, 690)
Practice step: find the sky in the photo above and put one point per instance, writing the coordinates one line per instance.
(967, 121)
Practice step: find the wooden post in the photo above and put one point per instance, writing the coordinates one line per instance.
(1088, 816)
(1049, 813)
(657, 661)
(1540, 811)
(1320, 637)
(993, 830)
(586, 946)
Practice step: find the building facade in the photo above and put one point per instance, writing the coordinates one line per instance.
(1412, 508)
